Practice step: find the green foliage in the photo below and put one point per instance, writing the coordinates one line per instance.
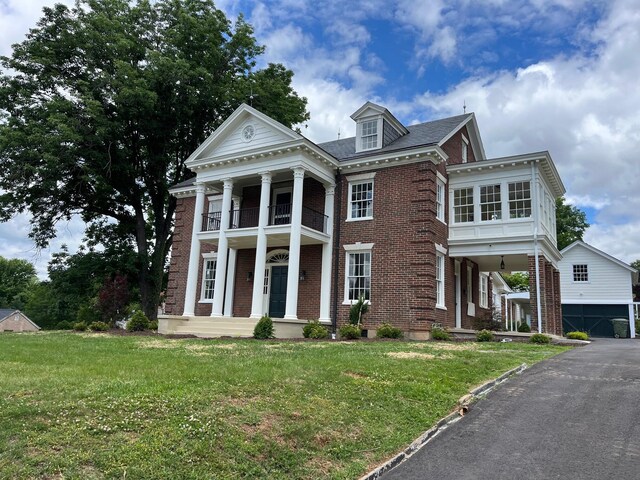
(103, 102)
(571, 223)
(16, 278)
(578, 335)
(517, 281)
(138, 322)
(540, 338)
(484, 336)
(386, 330)
(357, 310)
(87, 314)
(486, 321)
(153, 325)
(263, 329)
(349, 331)
(524, 327)
(438, 333)
(79, 326)
(315, 329)
(98, 327)
(64, 325)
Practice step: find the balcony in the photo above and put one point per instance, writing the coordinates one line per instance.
(278, 215)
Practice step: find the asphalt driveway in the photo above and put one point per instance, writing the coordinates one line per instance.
(576, 416)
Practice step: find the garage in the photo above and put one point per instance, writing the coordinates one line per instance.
(593, 319)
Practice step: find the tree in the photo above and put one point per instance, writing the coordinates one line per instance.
(517, 281)
(636, 287)
(571, 223)
(16, 276)
(101, 105)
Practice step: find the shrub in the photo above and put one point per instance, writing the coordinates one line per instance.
(540, 338)
(64, 325)
(79, 326)
(153, 325)
(350, 332)
(315, 330)
(439, 333)
(486, 321)
(263, 329)
(524, 327)
(357, 310)
(138, 322)
(87, 314)
(98, 327)
(389, 331)
(484, 336)
(578, 336)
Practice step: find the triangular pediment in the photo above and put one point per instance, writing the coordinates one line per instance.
(245, 130)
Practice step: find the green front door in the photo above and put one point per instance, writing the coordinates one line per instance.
(278, 294)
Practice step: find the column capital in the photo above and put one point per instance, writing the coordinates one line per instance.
(329, 189)
(200, 187)
(266, 177)
(298, 172)
(228, 183)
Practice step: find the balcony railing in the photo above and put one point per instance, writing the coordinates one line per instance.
(278, 215)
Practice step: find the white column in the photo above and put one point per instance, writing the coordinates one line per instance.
(261, 248)
(194, 254)
(291, 308)
(223, 244)
(632, 321)
(231, 277)
(327, 249)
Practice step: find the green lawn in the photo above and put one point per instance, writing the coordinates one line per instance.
(100, 406)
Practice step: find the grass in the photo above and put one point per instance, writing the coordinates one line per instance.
(100, 406)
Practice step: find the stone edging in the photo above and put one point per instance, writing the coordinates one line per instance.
(463, 406)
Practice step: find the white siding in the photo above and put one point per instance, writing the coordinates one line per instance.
(609, 283)
(233, 143)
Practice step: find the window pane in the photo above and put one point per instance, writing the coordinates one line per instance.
(362, 200)
(359, 277)
(463, 205)
(519, 200)
(490, 203)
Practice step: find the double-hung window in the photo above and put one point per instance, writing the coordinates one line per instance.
(581, 273)
(358, 272)
(440, 189)
(369, 135)
(208, 278)
(520, 199)
(484, 291)
(463, 205)
(361, 200)
(439, 280)
(490, 203)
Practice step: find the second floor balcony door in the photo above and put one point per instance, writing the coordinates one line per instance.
(281, 212)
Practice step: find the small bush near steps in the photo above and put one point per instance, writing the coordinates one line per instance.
(524, 328)
(388, 331)
(350, 332)
(578, 336)
(484, 336)
(98, 327)
(263, 329)
(138, 322)
(540, 338)
(438, 333)
(315, 330)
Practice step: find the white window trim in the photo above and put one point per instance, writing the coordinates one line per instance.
(484, 294)
(465, 151)
(470, 285)
(441, 181)
(357, 180)
(378, 134)
(440, 295)
(205, 257)
(354, 248)
(573, 275)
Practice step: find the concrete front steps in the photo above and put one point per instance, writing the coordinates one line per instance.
(215, 327)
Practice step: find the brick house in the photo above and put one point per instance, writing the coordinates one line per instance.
(12, 320)
(414, 218)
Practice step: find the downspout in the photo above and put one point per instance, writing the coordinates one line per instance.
(337, 222)
(534, 178)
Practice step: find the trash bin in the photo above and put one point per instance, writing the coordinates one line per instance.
(620, 327)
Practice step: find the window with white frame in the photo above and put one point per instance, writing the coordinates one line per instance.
(520, 200)
(581, 273)
(484, 291)
(469, 284)
(440, 190)
(361, 199)
(208, 278)
(369, 135)
(465, 149)
(358, 275)
(463, 205)
(490, 203)
(439, 279)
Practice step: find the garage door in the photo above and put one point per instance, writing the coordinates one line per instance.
(593, 319)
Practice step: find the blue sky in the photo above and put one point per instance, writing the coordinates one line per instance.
(557, 75)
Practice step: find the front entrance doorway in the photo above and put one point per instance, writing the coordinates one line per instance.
(275, 285)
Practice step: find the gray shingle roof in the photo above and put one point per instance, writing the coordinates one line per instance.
(422, 134)
(5, 312)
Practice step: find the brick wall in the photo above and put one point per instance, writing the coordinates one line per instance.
(550, 307)
(180, 248)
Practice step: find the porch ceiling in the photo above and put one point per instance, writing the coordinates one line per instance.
(491, 263)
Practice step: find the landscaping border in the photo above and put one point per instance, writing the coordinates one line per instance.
(463, 406)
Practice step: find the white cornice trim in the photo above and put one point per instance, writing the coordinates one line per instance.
(358, 246)
(392, 159)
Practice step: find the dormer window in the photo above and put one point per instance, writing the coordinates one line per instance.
(369, 135)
